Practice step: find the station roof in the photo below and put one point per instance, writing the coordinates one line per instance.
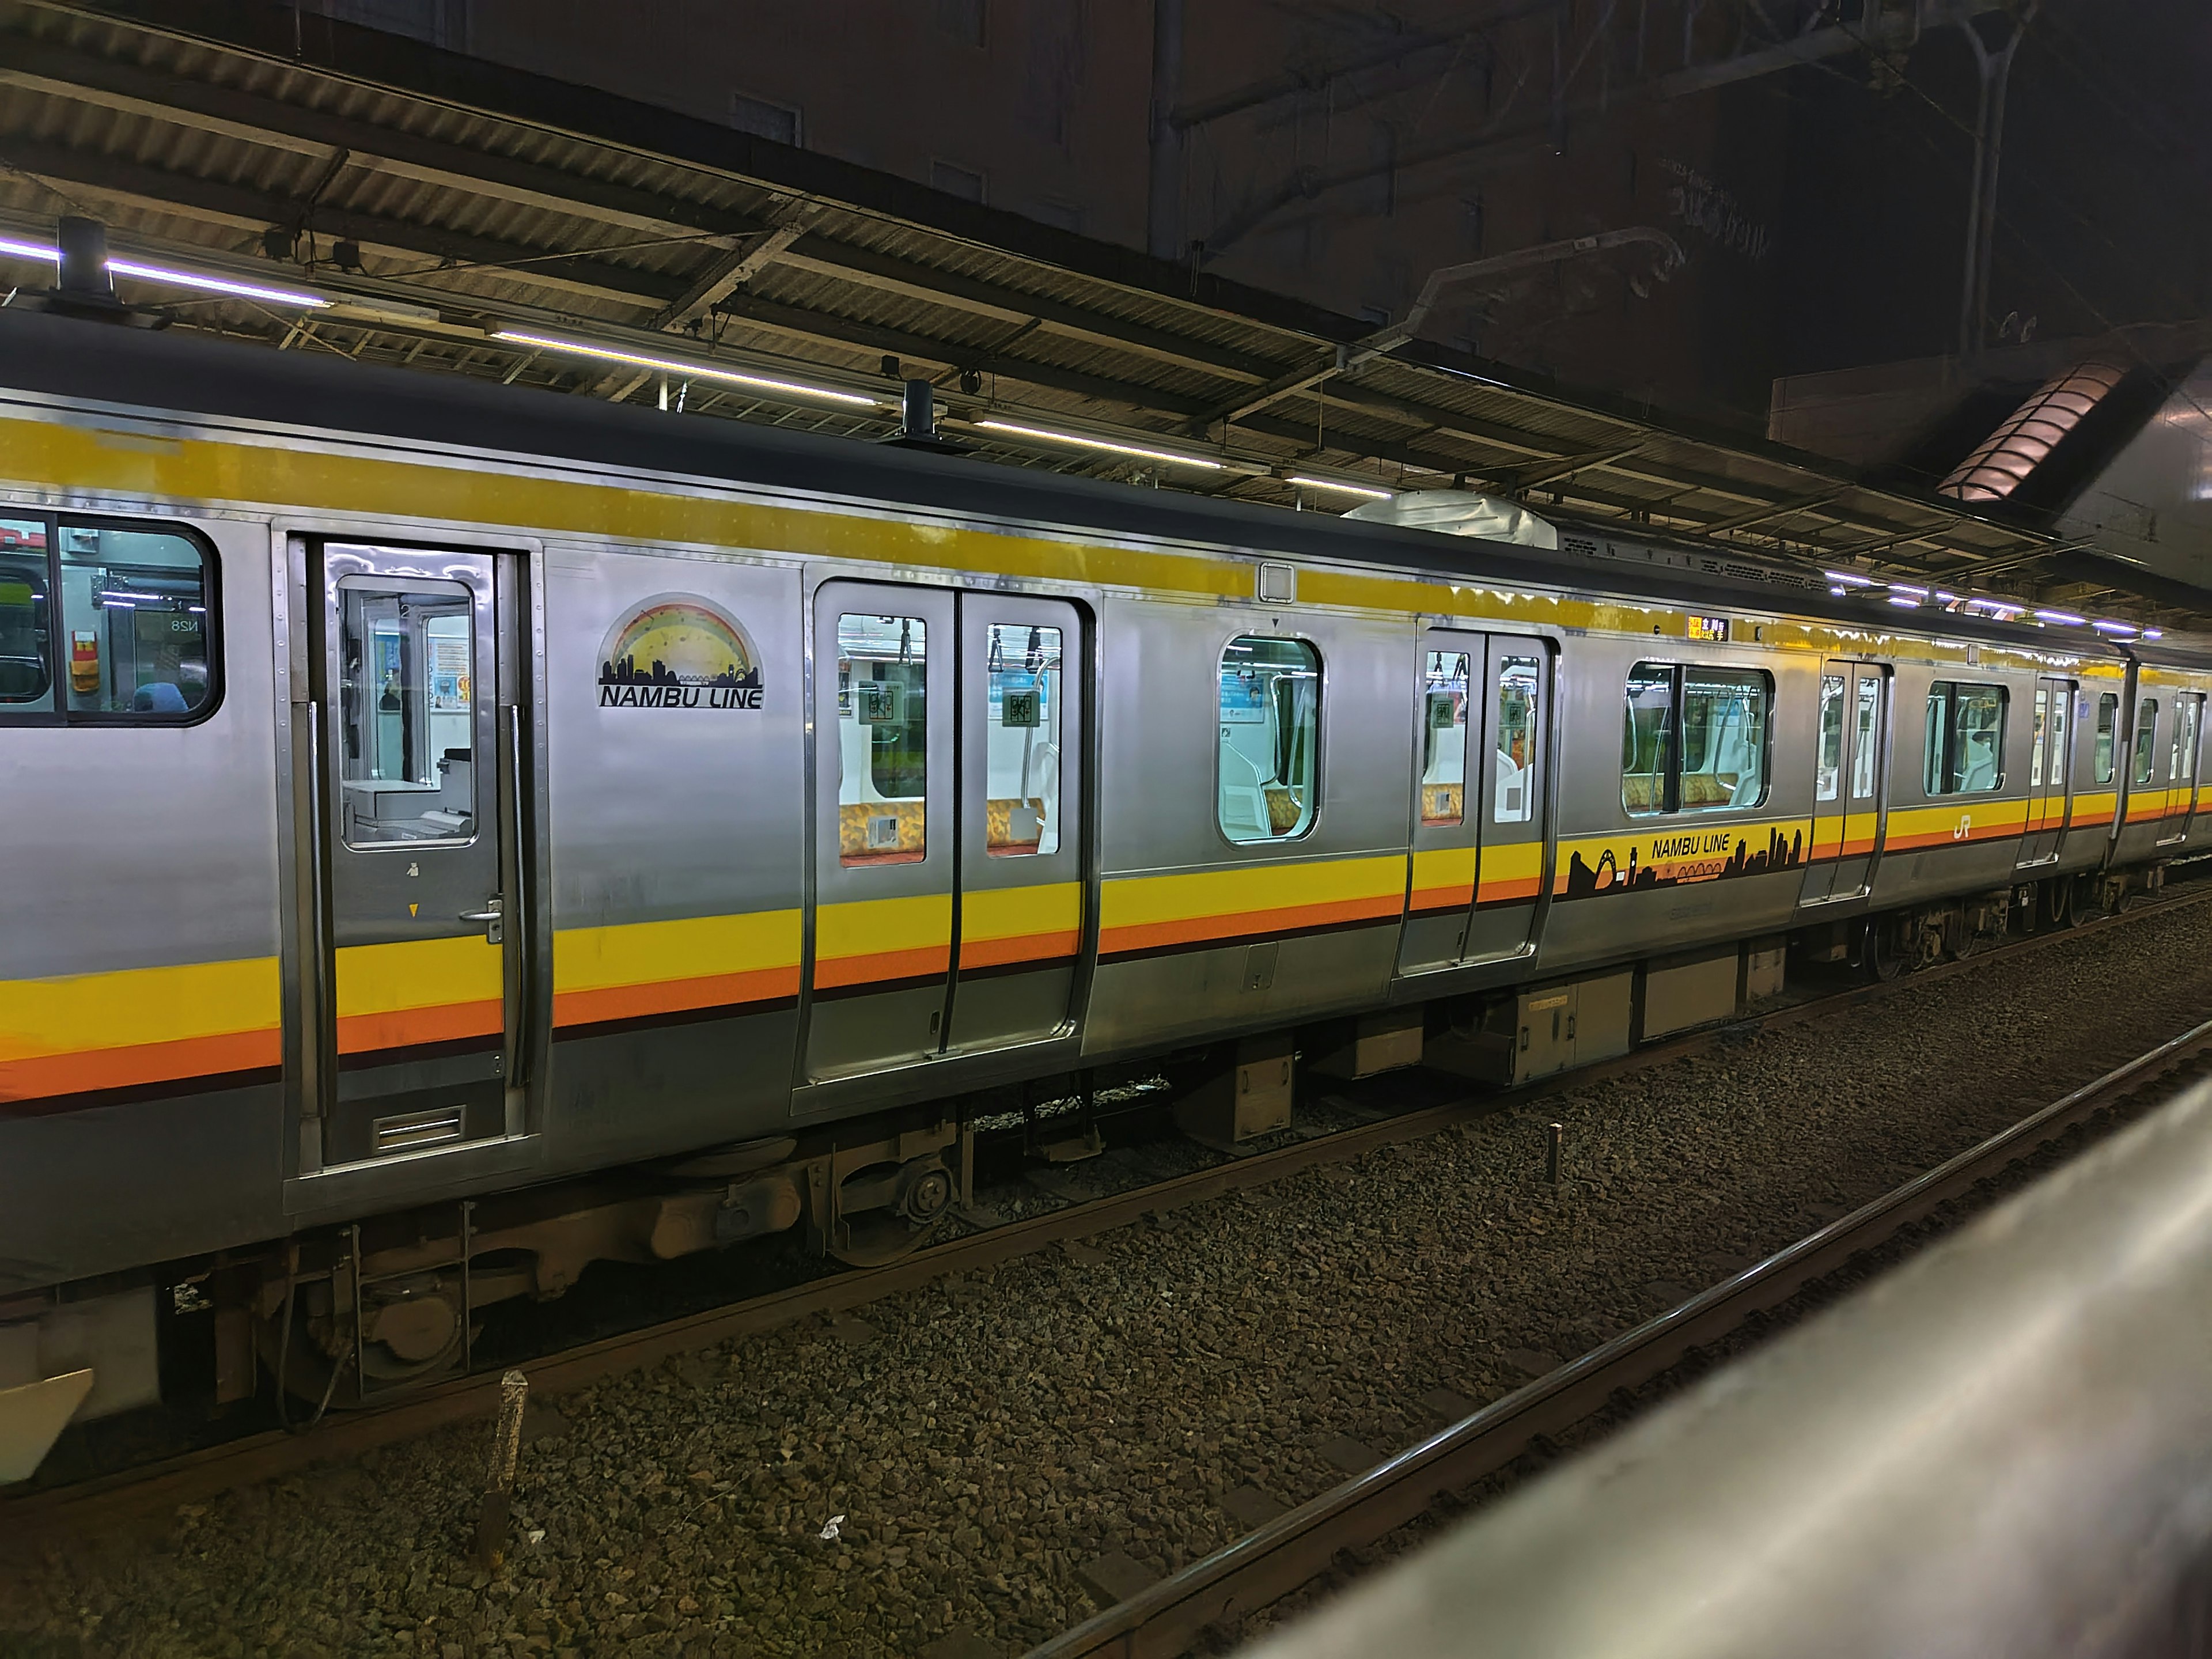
(440, 206)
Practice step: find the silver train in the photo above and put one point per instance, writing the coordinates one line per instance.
(457, 834)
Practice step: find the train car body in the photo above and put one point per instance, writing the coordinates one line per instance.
(456, 835)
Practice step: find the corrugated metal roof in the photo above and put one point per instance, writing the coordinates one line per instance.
(481, 198)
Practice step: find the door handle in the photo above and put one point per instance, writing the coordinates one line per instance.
(494, 918)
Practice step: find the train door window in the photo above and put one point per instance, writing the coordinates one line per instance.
(2061, 703)
(26, 649)
(883, 739)
(1444, 739)
(1021, 736)
(2108, 727)
(1647, 735)
(1862, 751)
(1723, 739)
(406, 705)
(2146, 739)
(1964, 739)
(1270, 708)
(1513, 791)
(134, 623)
(1828, 768)
(2042, 736)
(2181, 758)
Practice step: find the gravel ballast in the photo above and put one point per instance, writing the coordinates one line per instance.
(1002, 1454)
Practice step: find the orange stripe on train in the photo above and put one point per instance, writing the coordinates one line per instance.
(1058, 945)
(40, 1075)
(412, 1027)
(1199, 930)
(923, 962)
(673, 996)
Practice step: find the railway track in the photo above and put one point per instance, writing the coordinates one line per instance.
(195, 1475)
(1168, 1617)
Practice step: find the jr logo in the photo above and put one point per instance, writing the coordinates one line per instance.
(1964, 829)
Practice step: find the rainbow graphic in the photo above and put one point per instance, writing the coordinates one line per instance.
(678, 640)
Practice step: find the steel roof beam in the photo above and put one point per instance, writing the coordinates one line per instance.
(231, 111)
(239, 207)
(847, 262)
(830, 329)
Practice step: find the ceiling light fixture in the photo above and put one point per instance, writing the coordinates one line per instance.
(1847, 579)
(689, 370)
(2065, 618)
(2105, 627)
(1371, 493)
(275, 296)
(15, 250)
(1049, 436)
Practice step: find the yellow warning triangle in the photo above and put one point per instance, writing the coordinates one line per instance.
(412, 908)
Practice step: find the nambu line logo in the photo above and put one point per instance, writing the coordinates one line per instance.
(678, 651)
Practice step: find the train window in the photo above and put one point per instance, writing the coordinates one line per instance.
(27, 678)
(883, 739)
(2181, 759)
(1021, 739)
(1828, 766)
(1723, 739)
(1647, 735)
(1513, 790)
(133, 622)
(2146, 739)
(1444, 739)
(1694, 739)
(2035, 747)
(1863, 751)
(1270, 739)
(407, 772)
(2108, 727)
(1964, 739)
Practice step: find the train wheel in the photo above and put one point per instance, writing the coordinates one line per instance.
(2056, 901)
(1879, 953)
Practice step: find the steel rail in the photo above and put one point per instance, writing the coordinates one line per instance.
(193, 1476)
(1166, 1617)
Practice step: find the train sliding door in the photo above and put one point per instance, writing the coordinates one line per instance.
(1849, 764)
(1021, 855)
(884, 849)
(1515, 713)
(2050, 780)
(413, 724)
(948, 898)
(1447, 811)
(1478, 839)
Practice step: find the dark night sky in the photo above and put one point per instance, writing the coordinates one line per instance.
(2106, 176)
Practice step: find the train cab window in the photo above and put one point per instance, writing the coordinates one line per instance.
(1694, 739)
(1444, 739)
(1513, 789)
(1021, 738)
(1862, 751)
(2108, 727)
(1270, 712)
(1964, 739)
(406, 700)
(2181, 759)
(883, 739)
(133, 622)
(1828, 765)
(27, 679)
(2145, 740)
